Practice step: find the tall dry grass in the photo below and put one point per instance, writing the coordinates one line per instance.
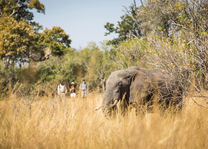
(51, 124)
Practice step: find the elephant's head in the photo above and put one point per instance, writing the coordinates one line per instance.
(117, 87)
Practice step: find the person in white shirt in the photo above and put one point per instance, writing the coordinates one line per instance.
(62, 90)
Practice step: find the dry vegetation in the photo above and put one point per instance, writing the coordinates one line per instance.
(49, 123)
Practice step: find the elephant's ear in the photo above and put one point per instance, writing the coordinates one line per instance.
(127, 79)
(133, 71)
(126, 76)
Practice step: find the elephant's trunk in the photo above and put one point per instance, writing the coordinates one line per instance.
(103, 105)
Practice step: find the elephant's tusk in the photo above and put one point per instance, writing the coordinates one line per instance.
(111, 106)
(114, 104)
(98, 108)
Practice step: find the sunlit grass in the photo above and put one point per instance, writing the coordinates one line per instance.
(49, 124)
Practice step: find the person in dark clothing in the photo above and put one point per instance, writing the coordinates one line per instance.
(72, 90)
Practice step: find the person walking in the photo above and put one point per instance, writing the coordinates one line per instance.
(84, 89)
(62, 90)
(72, 90)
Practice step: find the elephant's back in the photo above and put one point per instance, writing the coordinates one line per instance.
(157, 75)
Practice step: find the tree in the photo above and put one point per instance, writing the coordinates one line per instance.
(56, 39)
(21, 40)
(17, 40)
(19, 35)
(128, 27)
(20, 9)
(94, 71)
(186, 20)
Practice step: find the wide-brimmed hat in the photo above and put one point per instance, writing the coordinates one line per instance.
(72, 83)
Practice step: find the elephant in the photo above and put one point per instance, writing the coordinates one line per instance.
(141, 87)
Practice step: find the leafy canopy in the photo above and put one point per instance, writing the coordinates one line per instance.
(128, 27)
(56, 39)
(20, 9)
(17, 39)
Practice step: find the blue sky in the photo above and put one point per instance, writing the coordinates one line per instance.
(83, 20)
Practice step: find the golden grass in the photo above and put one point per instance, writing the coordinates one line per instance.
(51, 124)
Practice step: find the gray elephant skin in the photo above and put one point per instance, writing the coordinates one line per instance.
(141, 88)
